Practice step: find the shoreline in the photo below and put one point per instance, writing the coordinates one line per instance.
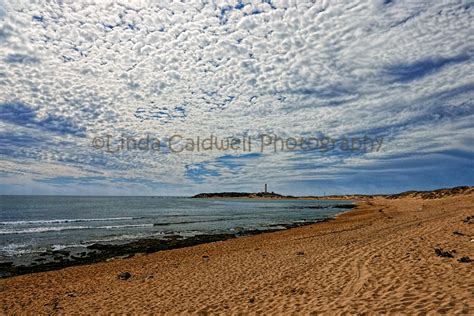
(97, 252)
(404, 255)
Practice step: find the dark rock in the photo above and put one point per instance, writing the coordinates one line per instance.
(61, 252)
(469, 219)
(124, 276)
(348, 206)
(99, 247)
(442, 253)
(252, 300)
(345, 206)
(465, 259)
(457, 233)
(300, 253)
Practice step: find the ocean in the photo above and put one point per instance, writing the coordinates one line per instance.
(32, 225)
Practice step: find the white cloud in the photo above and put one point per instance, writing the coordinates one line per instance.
(285, 67)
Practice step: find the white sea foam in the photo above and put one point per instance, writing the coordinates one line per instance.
(25, 248)
(12, 249)
(34, 230)
(126, 237)
(62, 221)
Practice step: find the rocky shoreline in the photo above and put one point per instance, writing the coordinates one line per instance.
(58, 259)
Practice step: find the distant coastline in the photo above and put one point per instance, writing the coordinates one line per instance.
(356, 197)
(276, 196)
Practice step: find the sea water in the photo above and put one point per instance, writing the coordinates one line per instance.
(35, 224)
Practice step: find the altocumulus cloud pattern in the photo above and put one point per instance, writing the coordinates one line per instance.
(71, 70)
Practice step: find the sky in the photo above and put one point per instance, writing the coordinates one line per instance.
(380, 92)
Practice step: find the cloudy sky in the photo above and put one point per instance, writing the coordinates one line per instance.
(73, 72)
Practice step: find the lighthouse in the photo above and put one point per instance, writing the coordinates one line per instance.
(265, 189)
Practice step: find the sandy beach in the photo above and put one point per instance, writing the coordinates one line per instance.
(381, 257)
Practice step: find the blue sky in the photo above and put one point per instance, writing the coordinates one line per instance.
(75, 71)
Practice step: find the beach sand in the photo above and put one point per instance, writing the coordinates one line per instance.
(379, 257)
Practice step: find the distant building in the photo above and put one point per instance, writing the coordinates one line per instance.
(265, 190)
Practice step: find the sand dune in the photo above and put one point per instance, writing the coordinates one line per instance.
(377, 258)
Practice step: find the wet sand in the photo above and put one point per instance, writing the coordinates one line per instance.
(380, 257)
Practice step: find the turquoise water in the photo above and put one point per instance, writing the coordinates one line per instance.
(34, 224)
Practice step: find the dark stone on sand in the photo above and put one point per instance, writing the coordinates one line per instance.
(469, 219)
(252, 300)
(444, 253)
(205, 257)
(300, 253)
(457, 233)
(124, 276)
(465, 259)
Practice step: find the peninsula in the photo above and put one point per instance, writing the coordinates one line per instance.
(435, 194)
(244, 195)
